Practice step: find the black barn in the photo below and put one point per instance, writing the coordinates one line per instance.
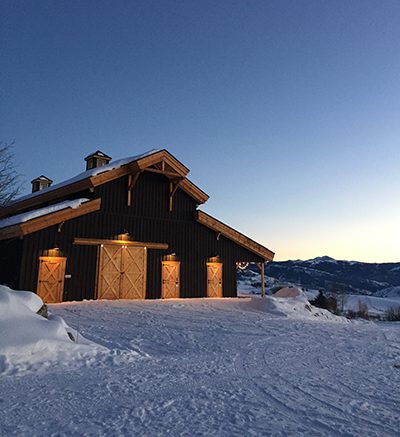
(121, 230)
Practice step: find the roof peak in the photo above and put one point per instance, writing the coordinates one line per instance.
(41, 178)
(98, 154)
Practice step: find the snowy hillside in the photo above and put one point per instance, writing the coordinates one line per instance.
(377, 306)
(351, 277)
(215, 367)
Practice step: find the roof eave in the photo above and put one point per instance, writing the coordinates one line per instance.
(234, 235)
(47, 220)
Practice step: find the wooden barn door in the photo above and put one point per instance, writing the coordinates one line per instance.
(122, 272)
(133, 280)
(50, 285)
(214, 279)
(170, 277)
(109, 278)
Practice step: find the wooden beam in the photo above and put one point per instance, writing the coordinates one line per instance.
(11, 232)
(163, 155)
(261, 266)
(48, 220)
(173, 186)
(169, 174)
(194, 191)
(228, 232)
(132, 179)
(99, 241)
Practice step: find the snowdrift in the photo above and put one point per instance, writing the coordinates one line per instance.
(29, 342)
(297, 307)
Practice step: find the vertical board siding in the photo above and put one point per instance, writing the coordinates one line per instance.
(148, 220)
(10, 262)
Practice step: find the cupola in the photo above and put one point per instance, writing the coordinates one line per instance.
(97, 159)
(40, 183)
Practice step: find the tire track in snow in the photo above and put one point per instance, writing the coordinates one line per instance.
(254, 373)
(331, 410)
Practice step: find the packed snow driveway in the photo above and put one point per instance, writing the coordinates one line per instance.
(212, 367)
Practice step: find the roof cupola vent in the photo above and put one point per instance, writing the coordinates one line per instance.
(40, 183)
(97, 159)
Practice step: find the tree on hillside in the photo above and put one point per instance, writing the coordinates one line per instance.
(10, 185)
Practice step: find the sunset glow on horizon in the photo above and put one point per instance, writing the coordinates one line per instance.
(286, 113)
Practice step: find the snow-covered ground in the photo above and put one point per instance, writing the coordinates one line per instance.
(221, 367)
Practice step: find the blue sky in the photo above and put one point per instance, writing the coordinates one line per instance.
(286, 112)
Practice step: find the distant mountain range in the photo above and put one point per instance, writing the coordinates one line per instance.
(326, 273)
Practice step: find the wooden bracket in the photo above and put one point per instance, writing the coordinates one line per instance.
(132, 179)
(60, 226)
(169, 174)
(173, 186)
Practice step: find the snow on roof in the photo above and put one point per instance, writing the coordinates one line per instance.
(42, 178)
(87, 174)
(25, 216)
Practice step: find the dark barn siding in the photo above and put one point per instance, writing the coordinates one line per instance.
(10, 261)
(148, 220)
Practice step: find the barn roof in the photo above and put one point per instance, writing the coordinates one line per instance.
(18, 222)
(114, 170)
(32, 221)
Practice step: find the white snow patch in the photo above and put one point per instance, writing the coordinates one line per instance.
(29, 342)
(26, 216)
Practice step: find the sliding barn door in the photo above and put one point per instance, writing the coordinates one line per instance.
(214, 279)
(50, 285)
(110, 267)
(133, 281)
(170, 285)
(121, 272)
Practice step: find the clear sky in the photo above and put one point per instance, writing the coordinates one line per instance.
(286, 112)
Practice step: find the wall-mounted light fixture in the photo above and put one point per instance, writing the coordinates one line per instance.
(123, 236)
(214, 259)
(53, 252)
(170, 257)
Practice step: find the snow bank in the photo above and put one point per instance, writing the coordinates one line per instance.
(29, 342)
(299, 308)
